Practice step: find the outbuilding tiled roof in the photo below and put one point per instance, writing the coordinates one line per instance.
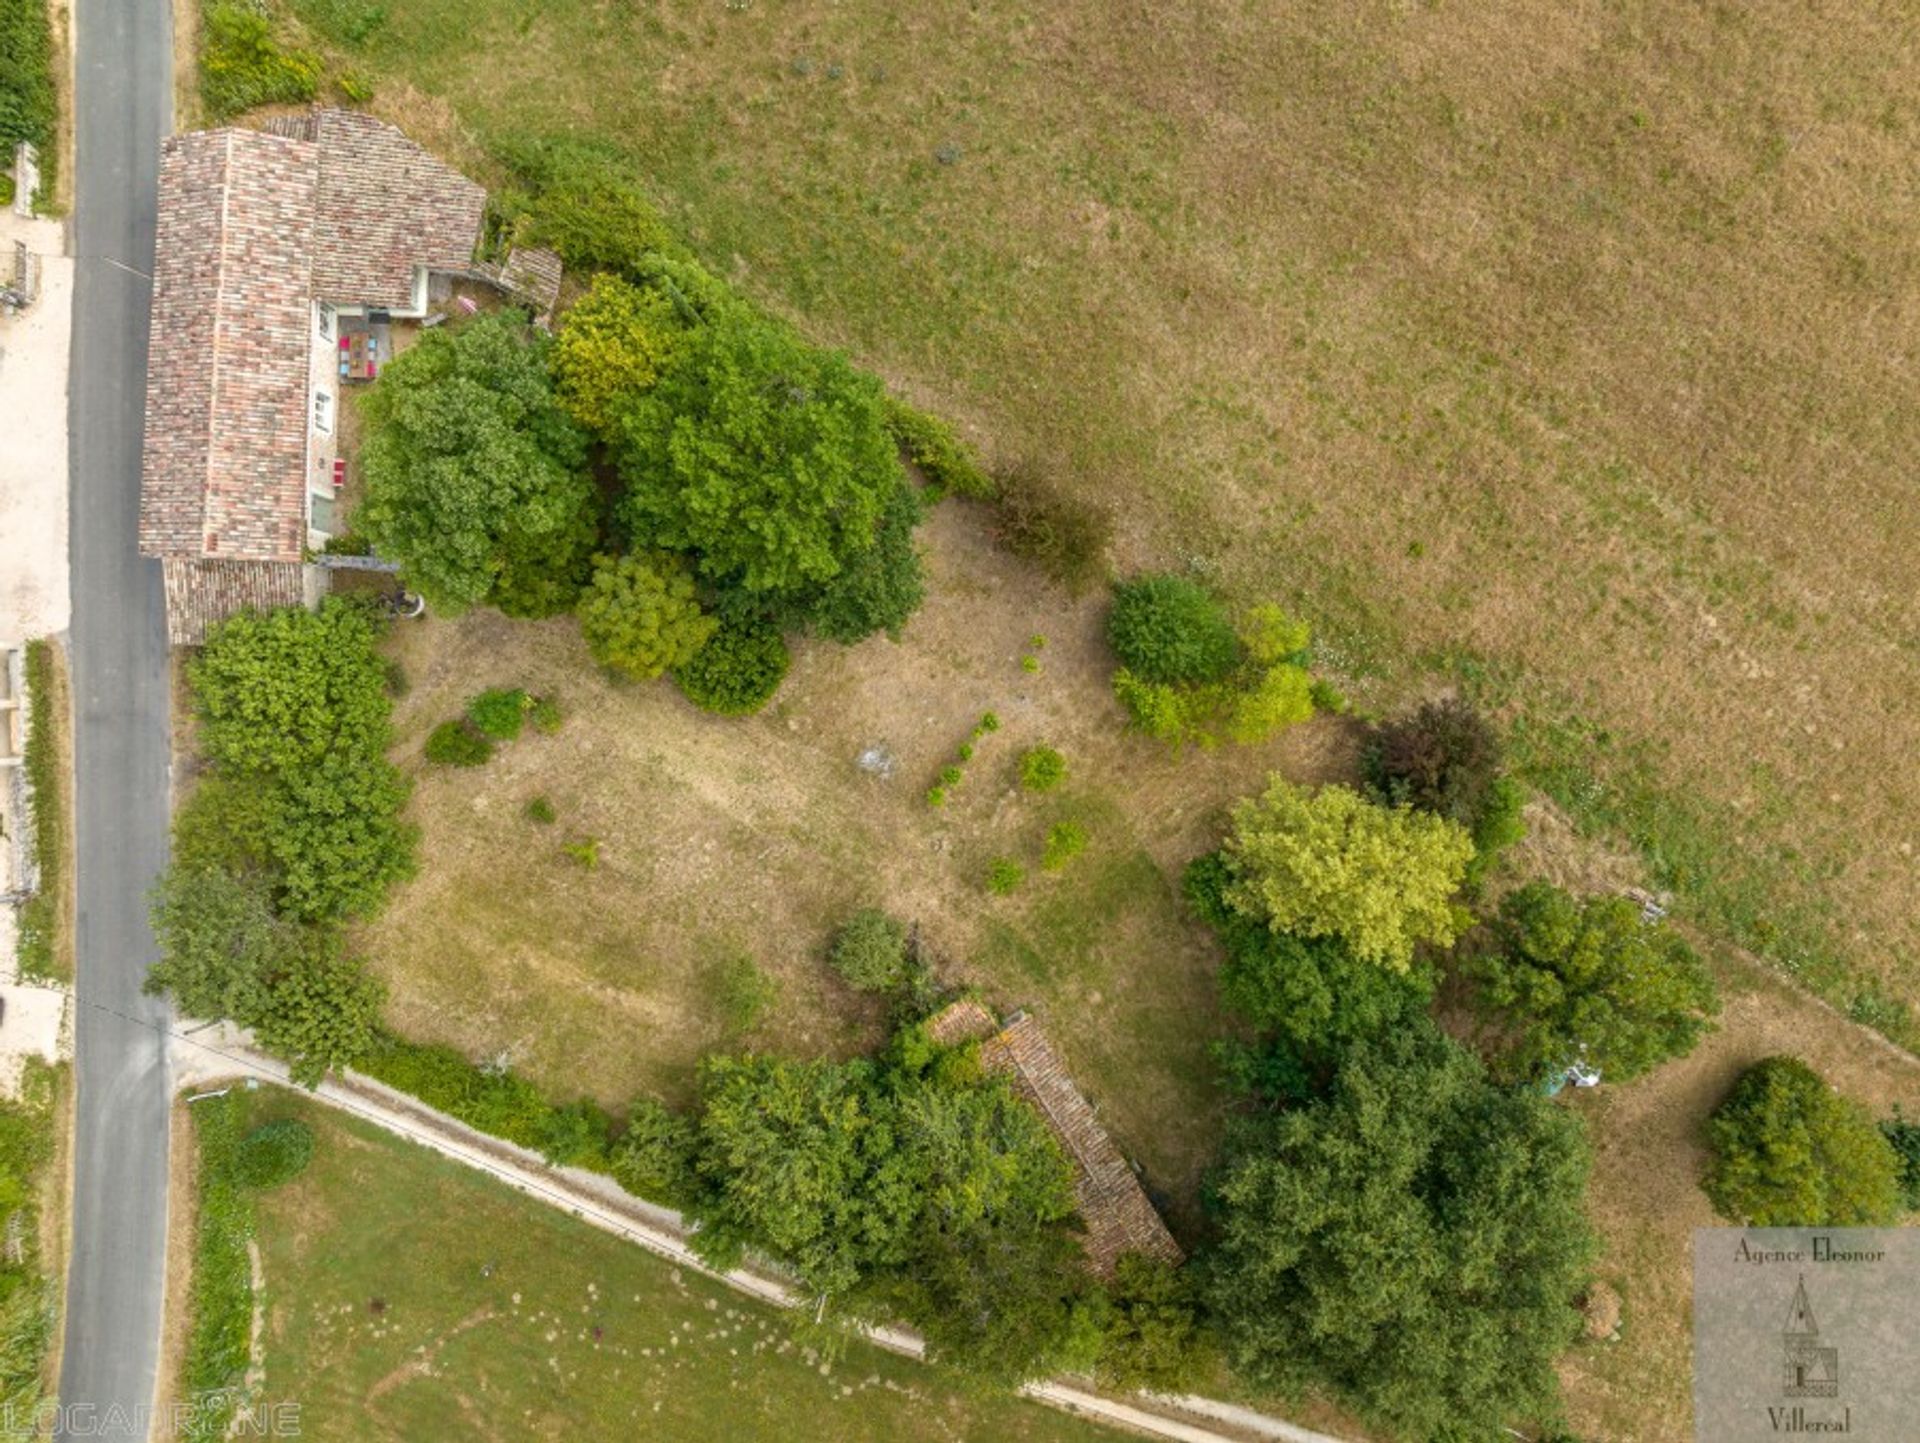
(200, 593)
(1118, 1215)
(227, 368)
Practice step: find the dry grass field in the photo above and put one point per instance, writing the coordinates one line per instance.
(1566, 348)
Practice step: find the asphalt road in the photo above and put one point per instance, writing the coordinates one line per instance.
(116, 1275)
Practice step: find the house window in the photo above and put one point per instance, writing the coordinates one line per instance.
(323, 412)
(327, 322)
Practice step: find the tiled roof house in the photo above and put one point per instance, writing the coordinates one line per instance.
(266, 239)
(1118, 1215)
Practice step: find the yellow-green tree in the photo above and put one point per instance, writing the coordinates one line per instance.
(640, 616)
(1333, 864)
(613, 345)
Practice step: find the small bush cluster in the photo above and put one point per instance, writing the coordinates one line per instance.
(954, 772)
(1187, 674)
(457, 743)
(243, 65)
(1065, 841)
(27, 1295)
(492, 717)
(1042, 769)
(345, 22)
(1004, 876)
(737, 670)
(870, 951)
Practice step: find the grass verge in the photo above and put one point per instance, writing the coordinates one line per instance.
(219, 1343)
(44, 944)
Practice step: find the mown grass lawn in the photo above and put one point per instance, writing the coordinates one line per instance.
(408, 1298)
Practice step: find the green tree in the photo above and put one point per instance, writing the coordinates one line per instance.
(220, 941)
(640, 617)
(1789, 1151)
(1590, 981)
(1153, 1338)
(1332, 864)
(278, 691)
(654, 1157)
(765, 457)
(786, 1149)
(322, 1014)
(1412, 1241)
(336, 838)
(475, 477)
(1311, 993)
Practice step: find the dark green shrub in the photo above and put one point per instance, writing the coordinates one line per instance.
(737, 671)
(398, 683)
(1170, 631)
(1004, 876)
(500, 713)
(576, 1136)
(1062, 535)
(870, 951)
(457, 743)
(1789, 1151)
(273, 1153)
(243, 66)
(880, 588)
(930, 443)
(492, 1100)
(1905, 1138)
(1042, 769)
(540, 810)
